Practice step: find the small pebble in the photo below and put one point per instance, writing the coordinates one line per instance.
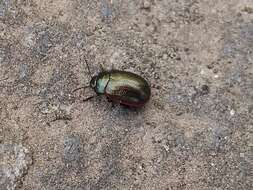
(232, 112)
(204, 89)
(146, 4)
(210, 66)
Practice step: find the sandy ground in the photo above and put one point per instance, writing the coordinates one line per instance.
(194, 134)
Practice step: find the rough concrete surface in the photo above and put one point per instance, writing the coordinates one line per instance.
(195, 133)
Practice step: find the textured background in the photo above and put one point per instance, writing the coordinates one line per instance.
(196, 131)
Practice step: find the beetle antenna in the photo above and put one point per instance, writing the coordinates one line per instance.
(86, 62)
(83, 87)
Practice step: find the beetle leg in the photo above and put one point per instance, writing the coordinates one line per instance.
(108, 99)
(86, 99)
(113, 104)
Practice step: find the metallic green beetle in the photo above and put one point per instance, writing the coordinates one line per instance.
(121, 87)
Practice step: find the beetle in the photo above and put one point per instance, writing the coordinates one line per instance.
(122, 87)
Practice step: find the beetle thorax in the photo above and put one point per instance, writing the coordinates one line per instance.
(101, 83)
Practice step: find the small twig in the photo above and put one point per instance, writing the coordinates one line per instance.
(86, 99)
(64, 118)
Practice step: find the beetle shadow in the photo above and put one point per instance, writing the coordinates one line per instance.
(124, 112)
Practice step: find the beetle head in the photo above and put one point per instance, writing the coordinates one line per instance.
(93, 82)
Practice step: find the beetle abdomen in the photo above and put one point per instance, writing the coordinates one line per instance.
(127, 96)
(127, 89)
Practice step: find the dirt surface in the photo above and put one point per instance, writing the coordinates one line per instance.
(194, 134)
